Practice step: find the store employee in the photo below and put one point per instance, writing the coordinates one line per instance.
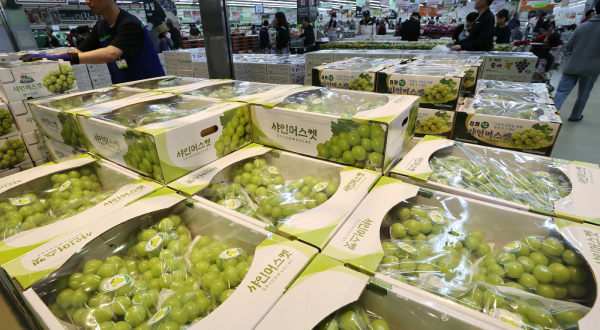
(120, 40)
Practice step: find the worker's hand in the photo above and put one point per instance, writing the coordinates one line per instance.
(38, 57)
(457, 48)
(450, 44)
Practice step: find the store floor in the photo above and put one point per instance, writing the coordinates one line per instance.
(578, 140)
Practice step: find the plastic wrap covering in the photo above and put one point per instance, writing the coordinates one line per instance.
(444, 57)
(256, 188)
(532, 181)
(353, 317)
(516, 86)
(166, 82)
(232, 89)
(152, 274)
(424, 71)
(338, 102)
(12, 152)
(434, 243)
(512, 95)
(519, 110)
(360, 63)
(446, 62)
(56, 197)
(95, 97)
(156, 111)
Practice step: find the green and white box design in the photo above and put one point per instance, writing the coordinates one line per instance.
(277, 261)
(354, 74)
(576, 205)
(315, 226)
(303, 131)
(60, 152)
(442, 120)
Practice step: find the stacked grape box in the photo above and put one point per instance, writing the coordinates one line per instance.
(186, 63)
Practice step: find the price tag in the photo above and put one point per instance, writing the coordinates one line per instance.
(55, 28)
(121, 64)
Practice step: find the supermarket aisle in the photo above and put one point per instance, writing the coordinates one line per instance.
(579, 140)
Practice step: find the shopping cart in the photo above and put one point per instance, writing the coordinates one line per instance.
(540, 74)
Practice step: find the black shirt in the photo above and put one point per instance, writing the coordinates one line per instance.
(129, 38)
(194, 32)
(411, 30)
(502, 34)
(481, 34)
(309, 34)
(176, 37)
(52, 42)
(459, 29)
(513, 23)
(283, 38)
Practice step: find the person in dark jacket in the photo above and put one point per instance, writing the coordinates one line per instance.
(514, 22)
(462, 31)
(411, 29)
(550, 40)
(264, 36)
(51, 40)
(309, 33)
(282, 41)
(502, 30)
(194, 30)
(398, 32)
(540, 23)
(381, 29)
(481, 35)
(175, 34)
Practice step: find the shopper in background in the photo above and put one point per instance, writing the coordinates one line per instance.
(367, 26)
(153, 33)
(453, 21)
(175, 34)
(253, 29)
(431, 21)
(514, 22)
(550, 40)
(541, 22)
(583, 67)
(565, 33)
(411, 29)
(533, 22)
(332, 28)
(381, 28)
(352, 25)
(398, 32)
(195, 32)
(70, 40)
(550, 24)
(437, 20)
(51, 40)
(264, 36)
(459, 20)
(462, 31)
(588, 15)
(502, 30)
(282, 41)
(309, 33)
(163, 35)
(481, 35)
(120, 40)
(77, 37)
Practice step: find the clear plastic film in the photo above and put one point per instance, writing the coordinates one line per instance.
(361, 64)
(518, 110)
(446, 62)
(445, 56)
(56, 197)
(257, 188)
(528, 180)
(353, 317)
(512, 95)
(158, 273)
(92, 98)
(517, 86)
(232, 89)
(424, 70)
(458, 250)
(166, 82)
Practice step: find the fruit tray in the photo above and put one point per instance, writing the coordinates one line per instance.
(166, 83)
(54, 119)
(438, 87)
(165, 136)
(294, 195)
(544, 185)
(526, 269)
(355, 73)
(159, 263)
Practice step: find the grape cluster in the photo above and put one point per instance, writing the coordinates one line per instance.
(522, 65)
(528, 139)
(6, 120)
(142, 156)
(67, 103)
(361, 84)
(236, 131)
(428, 240)
(12, 152)
(259, 191)
(539, 265)
(361, 147)
(60, 80)
(320, 105)
(353, 317)
(433, 125)
(438, 93)
(123, 292)
(72, 192)
(70, 133)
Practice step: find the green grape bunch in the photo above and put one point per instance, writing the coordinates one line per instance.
(362, 83)
(142, 155)
(439, 93)
(361, 147)
(529, 139)
(236, 131)
(60, 80)
(355, 317)
(122, 291)
(12, 152)
(70, 133)
(67, 103)
(437, 124)
(234, 89)
(6, 120)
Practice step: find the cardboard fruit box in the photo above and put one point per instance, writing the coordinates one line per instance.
(328, 295)
(478, 258)
(308, 199)
(165, 83)
(233, 90)
(428, 83)
(544, 185)
(165, 136)
(164, 224)
(442, 122)
(471, 64)
(60, 152)
(508, 125)
(356, 73)
(311, 121)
